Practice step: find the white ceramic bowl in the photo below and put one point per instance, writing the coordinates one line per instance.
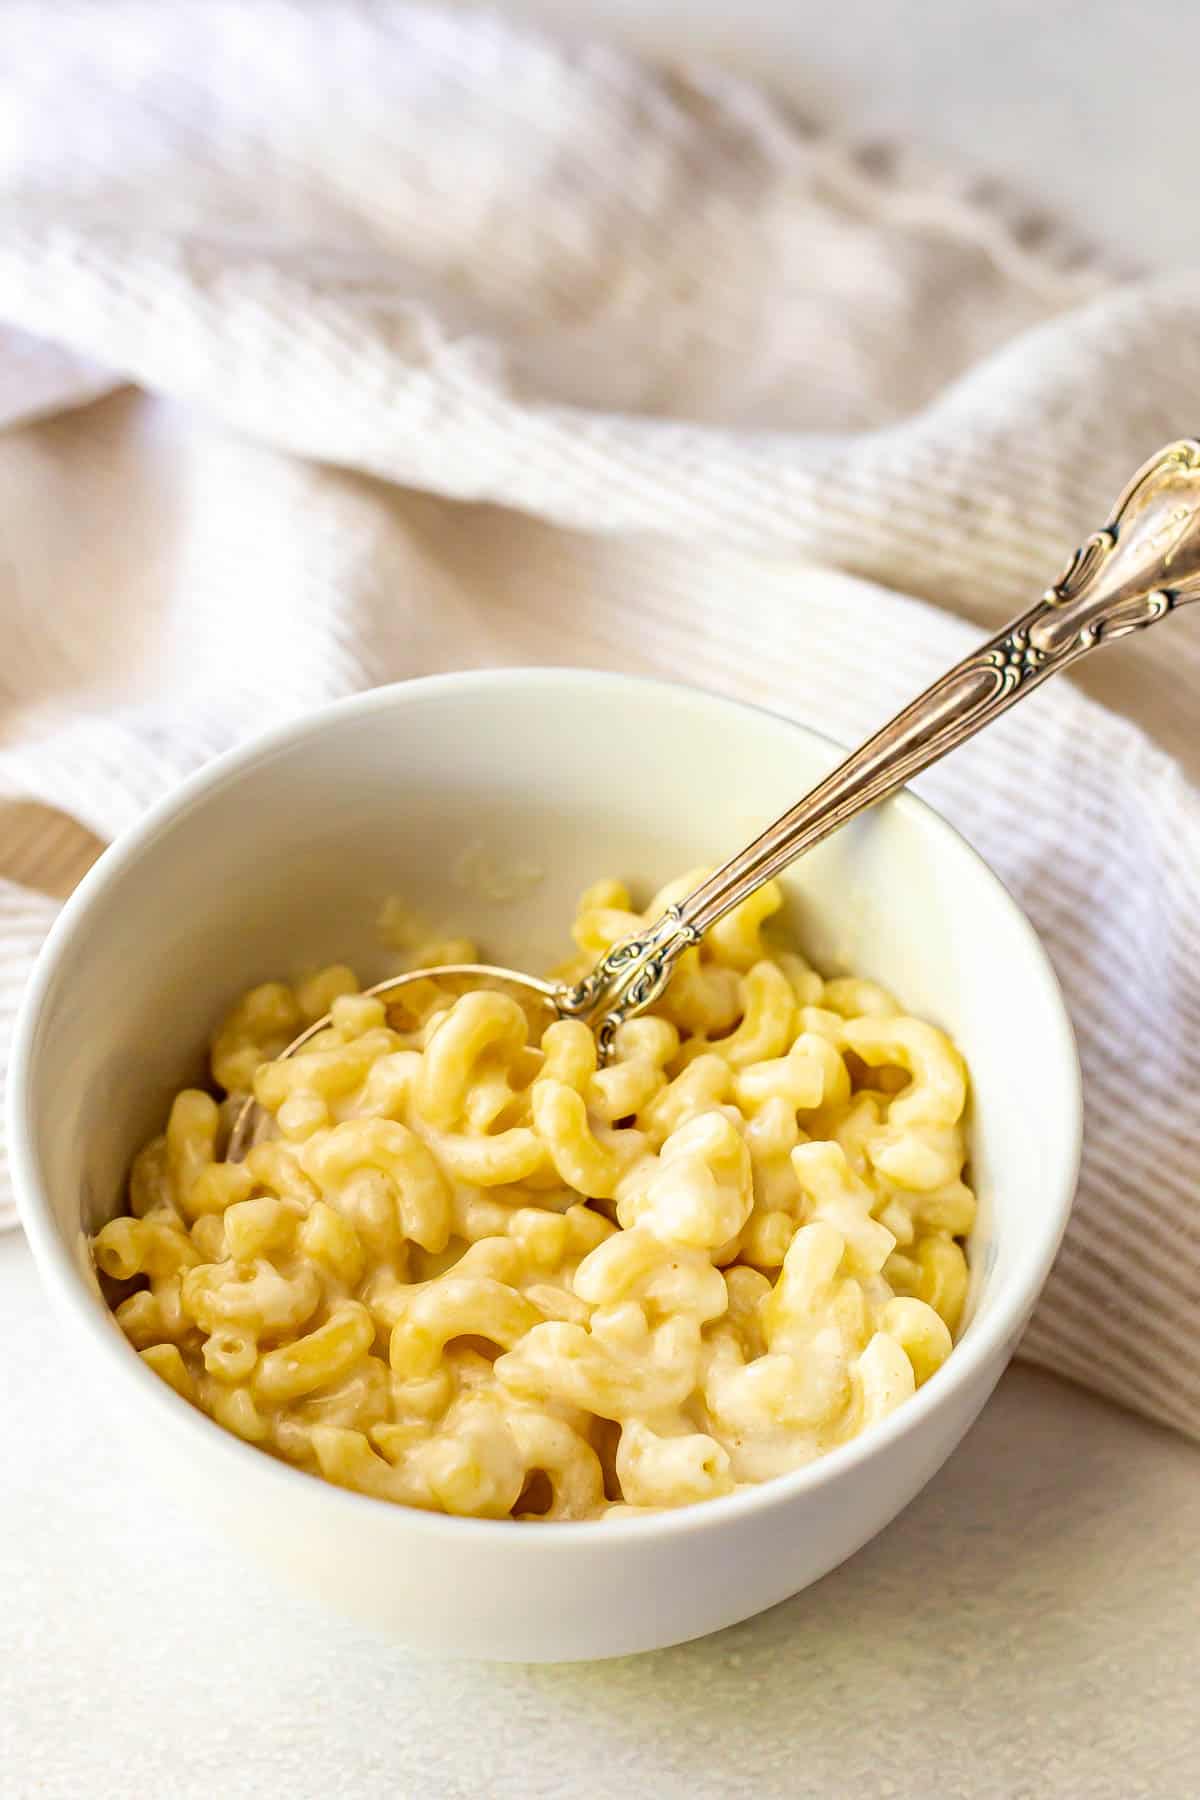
(280, 854)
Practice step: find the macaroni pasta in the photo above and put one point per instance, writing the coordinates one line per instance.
(471, 1271)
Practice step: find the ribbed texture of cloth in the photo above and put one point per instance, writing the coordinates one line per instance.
(346, 342)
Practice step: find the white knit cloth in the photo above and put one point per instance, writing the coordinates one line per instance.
(346, 342)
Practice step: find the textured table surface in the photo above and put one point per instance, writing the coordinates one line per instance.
(1029, 1627)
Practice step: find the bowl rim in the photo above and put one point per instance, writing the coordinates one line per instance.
(993, 1334)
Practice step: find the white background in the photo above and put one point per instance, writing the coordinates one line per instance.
(1085, 107)
(1027, 1628)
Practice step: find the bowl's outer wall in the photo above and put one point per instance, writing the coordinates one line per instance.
(606, 1594)
(438, 791)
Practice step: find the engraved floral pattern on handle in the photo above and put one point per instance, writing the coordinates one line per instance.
(629, 977)
(1139, 567)
(1015, 659)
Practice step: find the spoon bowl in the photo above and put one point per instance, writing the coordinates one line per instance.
(544, 994)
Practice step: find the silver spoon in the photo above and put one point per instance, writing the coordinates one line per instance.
(1142, 565)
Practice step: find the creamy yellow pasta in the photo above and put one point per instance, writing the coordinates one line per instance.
(473, 1272)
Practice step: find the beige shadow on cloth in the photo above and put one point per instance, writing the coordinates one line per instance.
(43, 849)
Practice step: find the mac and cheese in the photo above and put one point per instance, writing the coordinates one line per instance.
(471, 1271)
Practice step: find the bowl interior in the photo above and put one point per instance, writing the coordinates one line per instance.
(487, 802)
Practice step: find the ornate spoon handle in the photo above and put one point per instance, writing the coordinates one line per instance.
(1139, 567)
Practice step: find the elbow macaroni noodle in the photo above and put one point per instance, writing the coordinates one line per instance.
(476, 1273)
